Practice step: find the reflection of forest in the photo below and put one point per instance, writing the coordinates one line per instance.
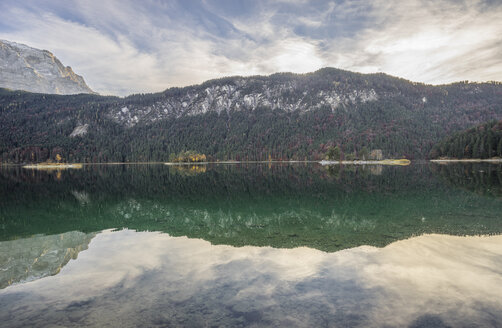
(188, 169)
(280, 205)
(482, 178)
(336, 171)
(227, 179)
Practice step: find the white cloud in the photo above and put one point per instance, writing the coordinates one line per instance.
(108, 66)
(440, 44)
(125, 47)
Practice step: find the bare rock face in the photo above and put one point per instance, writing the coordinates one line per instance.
(237, 94)
(79, 131)
(35, 70)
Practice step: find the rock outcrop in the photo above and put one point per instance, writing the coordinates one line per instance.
(34, 70)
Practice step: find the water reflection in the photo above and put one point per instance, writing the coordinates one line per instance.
(129, 278)
(281, 206)
(28, 259)
(484, 179)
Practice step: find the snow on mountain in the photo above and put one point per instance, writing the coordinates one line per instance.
(237, 95)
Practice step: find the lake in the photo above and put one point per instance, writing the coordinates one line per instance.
(252, 245)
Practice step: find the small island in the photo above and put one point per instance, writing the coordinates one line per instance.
(335, 156)
(390, 161)
(53, 166)
(188, 156)
(58, 165)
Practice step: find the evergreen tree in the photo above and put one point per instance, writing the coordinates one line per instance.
(333, 153)
(476, 148)
(482, 142)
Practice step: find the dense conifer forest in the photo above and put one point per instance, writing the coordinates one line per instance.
(280, 117)
(483, 141)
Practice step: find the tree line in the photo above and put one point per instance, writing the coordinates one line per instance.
(483, 141)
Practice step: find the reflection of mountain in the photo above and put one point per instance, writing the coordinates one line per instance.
(39, 256)
(146, 279)
(282, 206)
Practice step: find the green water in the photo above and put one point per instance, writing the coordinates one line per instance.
(252, 245)
(280, 206)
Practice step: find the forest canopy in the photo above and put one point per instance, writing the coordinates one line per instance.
(483, 141)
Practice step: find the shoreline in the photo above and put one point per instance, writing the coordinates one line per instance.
(67, 165)
(53, 166)
(399, 162)
(236, 162)
(467, 160)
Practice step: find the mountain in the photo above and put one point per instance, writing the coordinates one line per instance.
(281, 116)
(34, 70)
(480, 142)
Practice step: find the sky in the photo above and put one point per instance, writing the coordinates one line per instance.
(125, 46)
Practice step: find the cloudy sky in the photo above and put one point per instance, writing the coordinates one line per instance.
(126, 46)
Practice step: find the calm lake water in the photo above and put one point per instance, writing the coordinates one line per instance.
(253, 245)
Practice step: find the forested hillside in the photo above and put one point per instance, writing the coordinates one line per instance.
(483, 141)
(282, 116)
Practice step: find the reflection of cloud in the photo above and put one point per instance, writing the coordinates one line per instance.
(151, 277)
(437, 274)
(150, 45)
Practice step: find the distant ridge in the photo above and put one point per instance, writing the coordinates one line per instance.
(280, 117)
(34, 70)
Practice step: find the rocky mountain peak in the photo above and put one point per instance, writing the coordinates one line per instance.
(30, 69)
